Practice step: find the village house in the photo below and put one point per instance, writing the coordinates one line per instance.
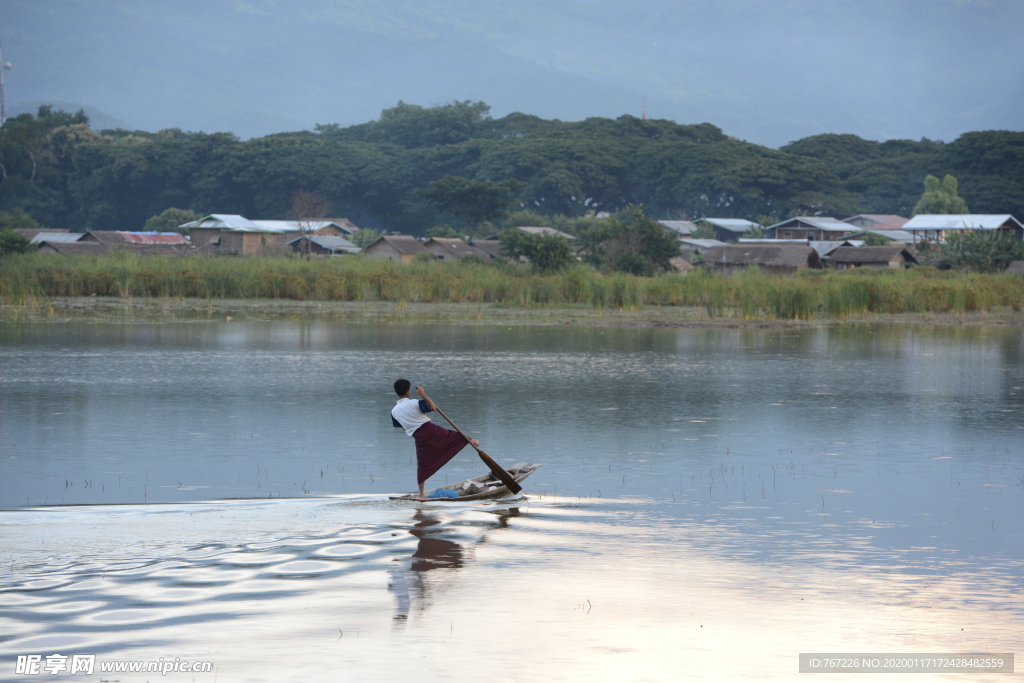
(893, 256)
(771, 260)
(937, 227)
(823, 247)
(690, 247)
(60, 237)
(237, 235)
(681, 265)
(678, 229)
(877, 221)
(328, 227)
(1016, 268)
(101, 241)
(727, 229)
(810, 228)
(486, 248)
(117, 237)
(69, 248)
(322, 244)
(30, 233)
(448, 248)
(231, 234)
(398, 248)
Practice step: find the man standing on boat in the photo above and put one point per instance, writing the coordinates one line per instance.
(435, 445)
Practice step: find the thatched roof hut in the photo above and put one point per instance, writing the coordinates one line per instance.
(398, 248)
(771, 259)
(448, 248)
(891, 256)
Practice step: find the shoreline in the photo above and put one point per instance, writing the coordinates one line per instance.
(165, 310)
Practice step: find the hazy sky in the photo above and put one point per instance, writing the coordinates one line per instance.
(767, 71)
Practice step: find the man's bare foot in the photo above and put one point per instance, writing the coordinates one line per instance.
(476, 444)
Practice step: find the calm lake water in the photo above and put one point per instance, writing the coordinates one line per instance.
(711, 502)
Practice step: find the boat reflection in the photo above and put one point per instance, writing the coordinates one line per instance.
(409, 581)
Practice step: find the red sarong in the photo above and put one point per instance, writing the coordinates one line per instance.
(435, 446)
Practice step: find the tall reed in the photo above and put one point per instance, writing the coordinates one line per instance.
(828, 294)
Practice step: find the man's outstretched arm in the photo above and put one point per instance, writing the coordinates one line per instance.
(423, 395)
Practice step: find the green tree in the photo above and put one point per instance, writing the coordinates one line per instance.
(170, 220)
(983, 251)
(872, 239)
(365, 237)
(630, 242)
(62, 173)
(472, 200)
(547, 253)
(530, 218)
(13, 243)
(441, 231)
(990, 167)
(17, 219)
(940, 197)
(413, 126)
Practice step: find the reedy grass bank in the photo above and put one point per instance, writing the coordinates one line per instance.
(30, 278)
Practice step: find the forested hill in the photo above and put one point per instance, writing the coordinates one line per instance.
(66, 175)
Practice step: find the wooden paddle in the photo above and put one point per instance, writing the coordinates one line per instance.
(496, 469)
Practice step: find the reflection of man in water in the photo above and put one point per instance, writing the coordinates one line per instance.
(435, 445)
(432, 552)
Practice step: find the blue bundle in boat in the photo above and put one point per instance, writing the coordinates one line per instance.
(442, 493)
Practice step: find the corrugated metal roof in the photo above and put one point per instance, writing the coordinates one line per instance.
(546, 231)
(894, 235)
(879, 219)
(775, 241)
(819, 222)
(29, 233)
(825, 247)
(65, 237)
(681, 227)
(121, 236)
(156, 238)
(702, 243)
(225, 221)
(734, 224)
(330, 242)
(298, 226)
(967, 221)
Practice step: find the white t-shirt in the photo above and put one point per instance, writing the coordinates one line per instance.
(409, 414)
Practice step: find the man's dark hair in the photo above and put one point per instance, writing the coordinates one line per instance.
(402, 386)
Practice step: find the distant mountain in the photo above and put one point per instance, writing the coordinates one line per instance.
(98, 120)
(769, 72)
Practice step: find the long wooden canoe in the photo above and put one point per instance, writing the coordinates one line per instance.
(484, 486)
